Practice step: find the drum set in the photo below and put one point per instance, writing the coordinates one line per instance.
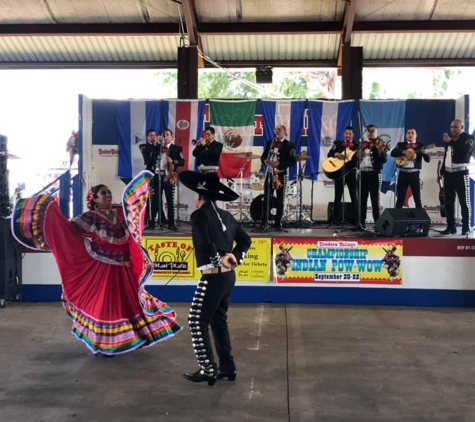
(249, 208)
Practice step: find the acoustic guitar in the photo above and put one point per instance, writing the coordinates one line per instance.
(441, 190)
(409, 156)
(334, 167)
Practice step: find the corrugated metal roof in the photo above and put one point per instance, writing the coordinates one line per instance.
(269, 11)
(416, 46)
(87, 48)
(271, 47)
(87, 11)
(295, 46)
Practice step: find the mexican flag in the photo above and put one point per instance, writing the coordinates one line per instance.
(234, 125)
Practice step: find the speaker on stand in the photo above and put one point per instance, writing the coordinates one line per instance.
(10, 249)
(403, 222)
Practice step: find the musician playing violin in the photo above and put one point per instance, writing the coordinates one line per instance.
(339, 150)
(409, 174)
(165, 159)
(279, 154)
(373, 156)
(208, 152)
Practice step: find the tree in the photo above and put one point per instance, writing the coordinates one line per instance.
(286, 84)
(440, 81)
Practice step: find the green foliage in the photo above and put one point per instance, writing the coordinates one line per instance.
(375, 91)
(220, 84)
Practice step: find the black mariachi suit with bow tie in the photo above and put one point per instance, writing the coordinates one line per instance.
(285, 154)
(457, 182)
(371, 180)
(349, 179)
(211, 300)
(175, 152)
(410, 176)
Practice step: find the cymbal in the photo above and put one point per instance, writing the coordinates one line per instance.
(249, 156)
(302, 157)
(10, 156)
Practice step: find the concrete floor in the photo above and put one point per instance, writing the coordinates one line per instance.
(295, 363)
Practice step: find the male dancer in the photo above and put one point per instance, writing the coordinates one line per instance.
(220, 245)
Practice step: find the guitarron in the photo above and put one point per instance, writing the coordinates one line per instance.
(335, 168)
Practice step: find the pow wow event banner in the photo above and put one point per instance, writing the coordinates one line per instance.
(291, 115)
(175, 258)
(327, 121)
(389, 117)
(330, 261)
(234, 125)
(134, 118)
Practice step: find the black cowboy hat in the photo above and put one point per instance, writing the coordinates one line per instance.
(207, 184)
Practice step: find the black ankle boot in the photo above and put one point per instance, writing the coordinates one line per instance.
(230, 375)
(201, 376)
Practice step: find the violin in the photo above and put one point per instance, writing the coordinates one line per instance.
(277, 182)
(171, 176)
(379, 143)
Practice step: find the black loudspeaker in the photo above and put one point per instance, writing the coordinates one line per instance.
(9, 247)
(403, 222)
(349, 215)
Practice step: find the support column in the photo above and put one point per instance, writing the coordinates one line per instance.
(352, 72)
(188, 73)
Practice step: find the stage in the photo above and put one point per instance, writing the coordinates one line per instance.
(327, 265)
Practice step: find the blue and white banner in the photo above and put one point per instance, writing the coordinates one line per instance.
(134, 118)
(327, 121)
(287, 113)
(389, 117)
(184, 117)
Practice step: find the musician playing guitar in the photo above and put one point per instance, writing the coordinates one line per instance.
(339, 150)
(409, 171)
(279, 154)
(373, 156)
(165, 159)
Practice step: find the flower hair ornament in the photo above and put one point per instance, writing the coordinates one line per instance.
(89, 198)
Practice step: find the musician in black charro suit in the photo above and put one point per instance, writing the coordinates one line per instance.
(409, 174)
(373, 156)
(279, 154)
(349, 178)
(208, 151)
(459, 149)
(164, 151)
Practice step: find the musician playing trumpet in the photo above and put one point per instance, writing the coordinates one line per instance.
(373, 156)
(279, 154)
(208, 151)
(412, 153)
(339, 150)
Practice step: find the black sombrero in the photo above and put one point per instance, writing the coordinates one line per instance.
(207, 184)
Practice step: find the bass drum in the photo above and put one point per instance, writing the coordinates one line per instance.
(257, 208)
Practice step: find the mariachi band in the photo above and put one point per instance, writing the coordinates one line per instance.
(356, 164)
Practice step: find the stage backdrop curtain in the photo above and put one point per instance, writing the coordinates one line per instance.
(230, 120)
(327, 121)
(289, 113)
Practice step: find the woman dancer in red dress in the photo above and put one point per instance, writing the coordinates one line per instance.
(103, 267)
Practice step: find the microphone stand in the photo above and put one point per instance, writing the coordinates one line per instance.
(160, 192)
(359, 226)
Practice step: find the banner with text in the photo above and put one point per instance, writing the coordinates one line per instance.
(324, 261)
(176, 258)
(256, 265)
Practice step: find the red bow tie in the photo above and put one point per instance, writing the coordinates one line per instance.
(411, 145)
(277, 144)
(164, 150)
(348, 144)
